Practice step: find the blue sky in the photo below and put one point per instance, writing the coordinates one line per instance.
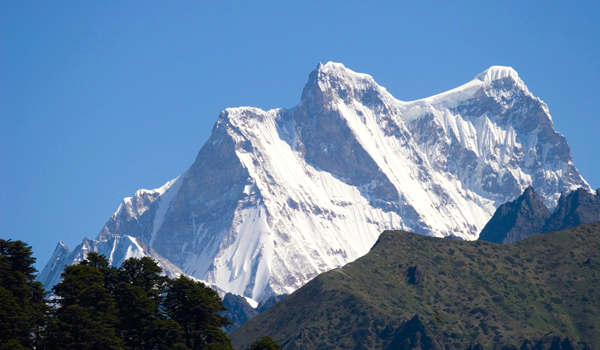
(101, 98)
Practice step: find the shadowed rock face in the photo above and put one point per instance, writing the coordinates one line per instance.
(212, 189)
(328, 142)
(527, 216)
(517, 220)
(527, 345)
(238, 310)
(565, 344)
(579, 207)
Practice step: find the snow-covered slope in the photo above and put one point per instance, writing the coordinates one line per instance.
(117, 249)
(276, 197)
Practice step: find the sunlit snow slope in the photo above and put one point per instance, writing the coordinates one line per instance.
(276, 197)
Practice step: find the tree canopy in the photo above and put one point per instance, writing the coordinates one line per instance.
(97, 306)
(265, 343)
(23, 309)
(133, 307)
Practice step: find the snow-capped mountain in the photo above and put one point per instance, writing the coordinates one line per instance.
(276, 197)
(117, 249)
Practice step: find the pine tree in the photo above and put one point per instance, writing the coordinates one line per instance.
(194, 306)
(165, 334)
(139, 296)
(86, 316)
(23, 309)
(101, 307)
(111, 274)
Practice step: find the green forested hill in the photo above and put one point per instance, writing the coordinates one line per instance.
(465, 293)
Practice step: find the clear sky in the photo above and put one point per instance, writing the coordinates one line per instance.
(101, 98)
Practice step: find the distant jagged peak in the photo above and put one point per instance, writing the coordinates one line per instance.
(62, 246)
(528, 197)
(577, 193)
(516, 220)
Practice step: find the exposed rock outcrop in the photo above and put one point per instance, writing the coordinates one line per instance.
(527, 216)
(517, 220)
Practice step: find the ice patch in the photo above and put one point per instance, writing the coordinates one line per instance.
(252, 302)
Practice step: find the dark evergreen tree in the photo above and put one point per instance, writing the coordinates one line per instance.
(95, 260)
(101, 307)
(13, 344)
(86, 316)
(145, 274)
(165, 334)
(139, 296)
(194, 306)
(265, 343)
(23, 309)
(137, 312)
(111, 274)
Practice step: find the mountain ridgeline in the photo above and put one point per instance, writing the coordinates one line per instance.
(527, 215)
(417, 292)
(275, 198)
(239, 311)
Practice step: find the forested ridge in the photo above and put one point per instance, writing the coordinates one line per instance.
(410, 290)
(96, 306)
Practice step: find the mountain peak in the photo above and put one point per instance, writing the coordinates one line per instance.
(516, 220)
(334, 79)
(530, 192)
(337, 71)
(276, 197)
(578, 207)
(527, 216)
(331, 66)
(497, 73)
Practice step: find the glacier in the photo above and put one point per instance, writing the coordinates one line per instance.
(276, 197)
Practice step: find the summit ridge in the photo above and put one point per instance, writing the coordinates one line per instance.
(498, 73)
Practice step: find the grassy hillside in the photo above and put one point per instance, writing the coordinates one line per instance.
(471, 292)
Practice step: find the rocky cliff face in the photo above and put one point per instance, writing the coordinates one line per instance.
(576, 208)
(276, 197)
(527, 216)
(517, 220)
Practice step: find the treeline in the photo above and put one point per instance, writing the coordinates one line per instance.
(96, 306)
